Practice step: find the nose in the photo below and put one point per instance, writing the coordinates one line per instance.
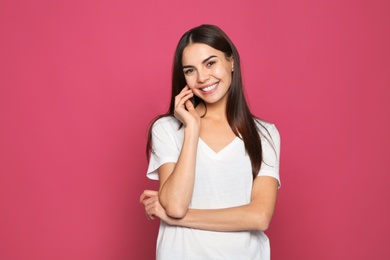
(203, 75)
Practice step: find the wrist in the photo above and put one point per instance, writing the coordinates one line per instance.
(192, 130)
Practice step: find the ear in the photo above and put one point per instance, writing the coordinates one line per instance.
(232, 62)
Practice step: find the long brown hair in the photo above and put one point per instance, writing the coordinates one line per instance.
(239, 117)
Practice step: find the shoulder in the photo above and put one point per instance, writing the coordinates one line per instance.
(166, 120)
(266, 128)
(166, 123)
(270, 142)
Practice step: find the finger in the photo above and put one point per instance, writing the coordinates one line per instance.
(149, 201)
(189, 105)
(151, 211)
(151, 208)
(149, 217)
(152, 204)
(185, 91)
(180, 100)
(147, 193)
(183, 96)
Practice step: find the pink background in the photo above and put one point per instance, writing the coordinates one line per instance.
(80, 80)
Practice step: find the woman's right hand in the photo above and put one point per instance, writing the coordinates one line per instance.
(185, 110)
(177, 179)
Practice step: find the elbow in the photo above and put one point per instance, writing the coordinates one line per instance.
(262, 222)
(263, 226)
(174, 208)
(176, 211)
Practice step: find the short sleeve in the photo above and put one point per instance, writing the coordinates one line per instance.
(270, 142)
(164, 145)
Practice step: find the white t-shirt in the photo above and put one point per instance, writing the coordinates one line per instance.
(222, 180)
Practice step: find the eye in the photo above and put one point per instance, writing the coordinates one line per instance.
(210, 63)
(188, 71)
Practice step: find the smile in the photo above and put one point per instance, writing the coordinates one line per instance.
(210, 88)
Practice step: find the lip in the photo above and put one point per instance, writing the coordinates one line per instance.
(213, 87)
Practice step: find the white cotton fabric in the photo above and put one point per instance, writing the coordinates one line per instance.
(222, 180)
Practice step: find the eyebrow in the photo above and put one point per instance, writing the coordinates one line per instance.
(203, 62)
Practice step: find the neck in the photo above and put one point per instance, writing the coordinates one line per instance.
(215, 111)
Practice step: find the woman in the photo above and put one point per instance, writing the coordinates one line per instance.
(217, 164)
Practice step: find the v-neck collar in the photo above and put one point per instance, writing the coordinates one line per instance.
(221, 153)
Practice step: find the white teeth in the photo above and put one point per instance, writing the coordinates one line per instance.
(210, 88)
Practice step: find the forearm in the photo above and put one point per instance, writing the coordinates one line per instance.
(246, 217)
(176, 190)
(255, 215)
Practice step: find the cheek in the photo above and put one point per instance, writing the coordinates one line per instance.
(191, 83)
(228, 75)
(222, 73)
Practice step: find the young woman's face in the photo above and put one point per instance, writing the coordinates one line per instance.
(207, 71)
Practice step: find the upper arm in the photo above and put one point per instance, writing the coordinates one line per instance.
(265, 185)
(263, 197)
(270, 142)
(165, 150)
(164, 171)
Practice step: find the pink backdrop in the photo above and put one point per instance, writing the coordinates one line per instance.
(80, 80)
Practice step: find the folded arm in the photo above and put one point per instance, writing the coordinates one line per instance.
(177, 180)
(256, 215)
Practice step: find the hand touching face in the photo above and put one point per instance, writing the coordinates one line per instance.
(208, 72)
